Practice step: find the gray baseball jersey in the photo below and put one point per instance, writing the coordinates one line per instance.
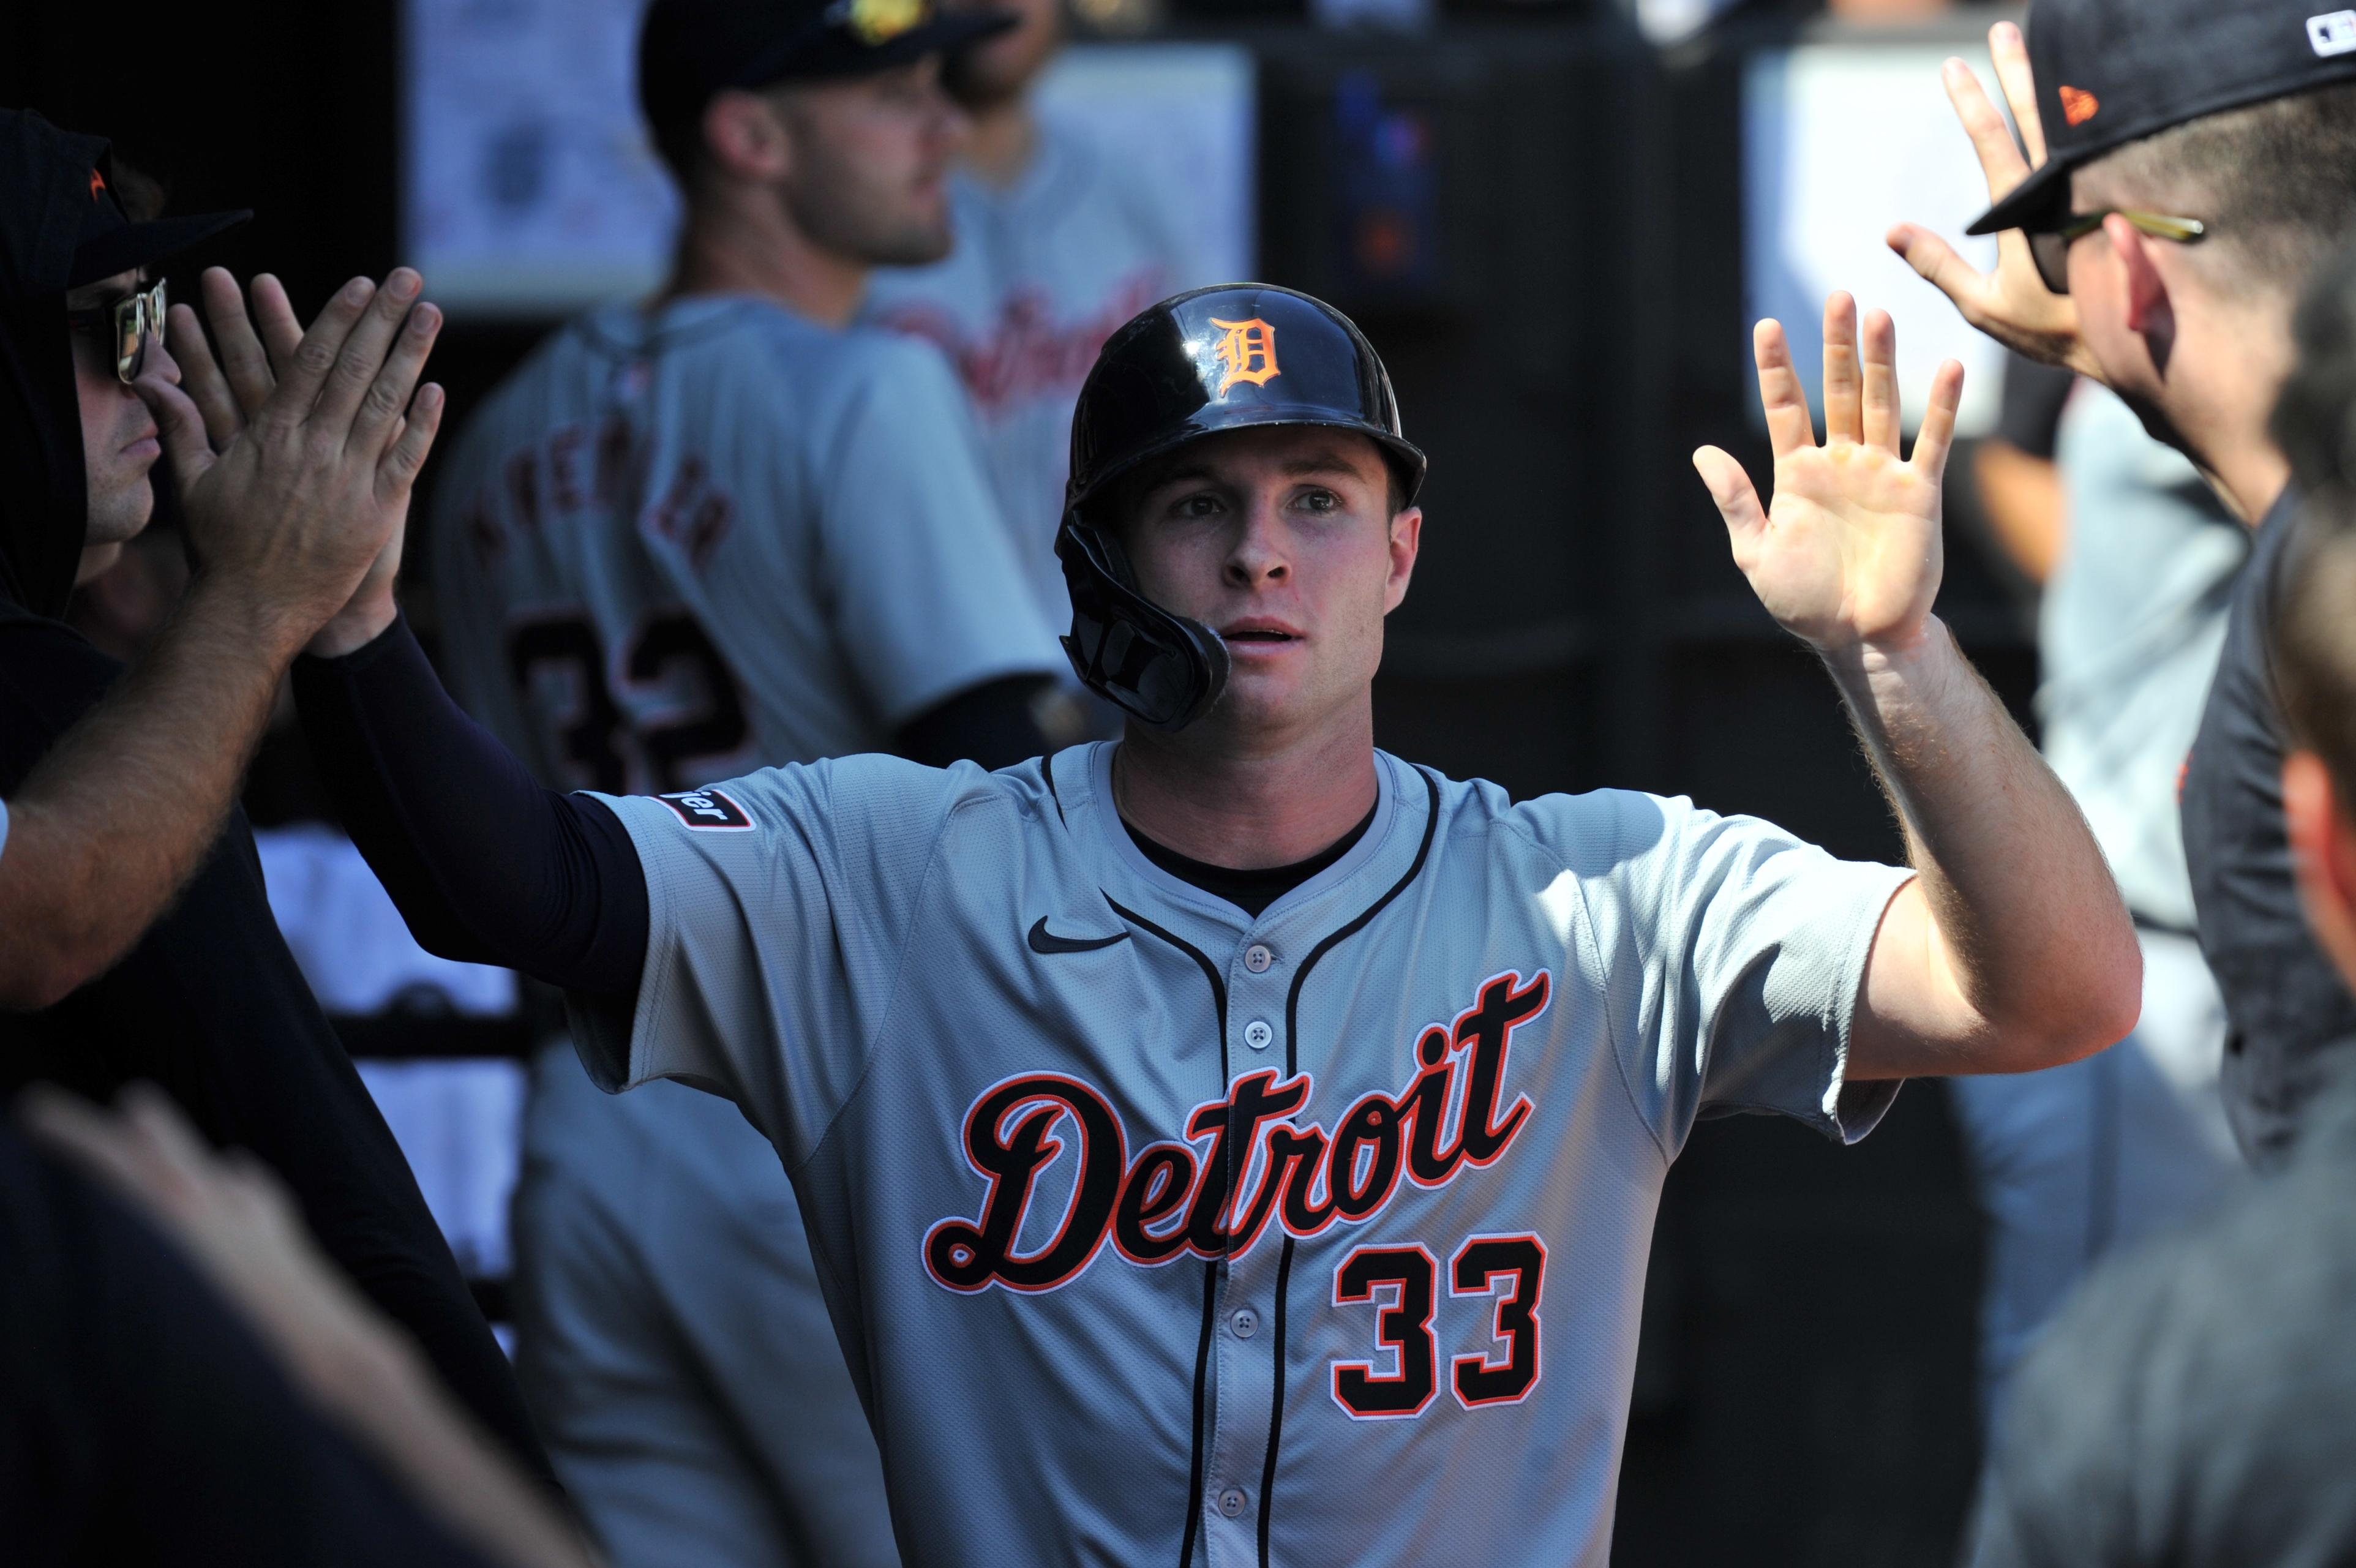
(671, 548)
(1043, 274)
(1156, 1232)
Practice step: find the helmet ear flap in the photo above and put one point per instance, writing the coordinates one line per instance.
(1162, 670)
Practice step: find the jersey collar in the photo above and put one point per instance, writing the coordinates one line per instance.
(1380, 856)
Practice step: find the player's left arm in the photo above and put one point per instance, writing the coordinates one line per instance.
(2011, 950)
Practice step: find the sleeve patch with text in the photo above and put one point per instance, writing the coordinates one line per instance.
(709, 809)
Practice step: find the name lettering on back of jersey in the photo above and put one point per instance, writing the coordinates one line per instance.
(693, 515)
(573, 467)
(1259, 1164)
(708, 811)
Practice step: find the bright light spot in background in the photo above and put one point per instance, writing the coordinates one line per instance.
(1840, 140)
(529, 186)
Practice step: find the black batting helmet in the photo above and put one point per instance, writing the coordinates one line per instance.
(1229, 357)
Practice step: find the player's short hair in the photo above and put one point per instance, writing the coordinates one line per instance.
(2315, 417)
(2314, 634)
(682, 149)
(2314, 630)
(2275, 182)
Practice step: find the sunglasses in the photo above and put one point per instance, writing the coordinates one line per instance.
(129, 322)
(2051, 250)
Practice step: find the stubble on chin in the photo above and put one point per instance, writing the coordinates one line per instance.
(95, 561)
(117, 517)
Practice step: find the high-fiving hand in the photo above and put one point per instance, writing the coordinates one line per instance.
(296, 453)
(2011, 304)
(1848, 555)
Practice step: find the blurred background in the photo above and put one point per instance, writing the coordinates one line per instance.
(1556, 219)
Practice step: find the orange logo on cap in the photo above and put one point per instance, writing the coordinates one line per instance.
(2078, 105)
(1246, 351)
(876, 22)
(97, 184)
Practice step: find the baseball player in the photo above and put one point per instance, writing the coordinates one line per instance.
(1235, 1144)
(1054, 250)
(686, 539)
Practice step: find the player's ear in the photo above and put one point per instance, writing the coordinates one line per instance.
(1407, 538)
(745, 138)
(2150, 313)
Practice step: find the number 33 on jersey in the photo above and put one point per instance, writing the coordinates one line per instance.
(1250, 1164)
(1155, 1232)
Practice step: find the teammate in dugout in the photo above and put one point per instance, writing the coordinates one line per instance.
(1234, 1143)
(691, 537)
(1058, 244)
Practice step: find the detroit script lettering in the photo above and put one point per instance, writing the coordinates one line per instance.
(1171, 1201)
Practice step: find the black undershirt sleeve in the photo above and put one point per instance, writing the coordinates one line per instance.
(994, 723)
(485, 864)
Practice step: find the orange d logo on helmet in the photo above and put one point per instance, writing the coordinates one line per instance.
(1246, 352)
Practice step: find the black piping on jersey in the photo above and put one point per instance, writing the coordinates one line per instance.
(1048, 771)
(1202, 1380)
(1276, 1402)
(1293, 1070)
(1210, 1270)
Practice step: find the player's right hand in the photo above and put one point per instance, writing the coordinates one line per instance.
(297, 451)
(1848, 556)
(2011, 304)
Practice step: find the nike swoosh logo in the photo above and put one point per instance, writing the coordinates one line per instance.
(1044, 940)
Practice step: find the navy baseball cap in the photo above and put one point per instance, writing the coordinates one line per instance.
(110, 243)
(691, 49)
(2113, 72)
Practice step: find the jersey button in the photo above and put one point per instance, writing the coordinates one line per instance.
(1256, 958)
(1246, 1323)
(1233, 1502)
(1256, 1034)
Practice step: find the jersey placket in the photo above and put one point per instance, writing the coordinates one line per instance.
(1263, 986)
(1244, 1339)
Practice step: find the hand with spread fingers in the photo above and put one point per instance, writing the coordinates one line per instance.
(297, 451)
(2012, 304)
(1848, 555)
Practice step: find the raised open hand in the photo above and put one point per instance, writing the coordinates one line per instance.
(296, 452)
(1848, 556)
(2011, 304)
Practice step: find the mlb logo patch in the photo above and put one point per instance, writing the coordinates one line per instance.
(709, 810)
(2333, 33)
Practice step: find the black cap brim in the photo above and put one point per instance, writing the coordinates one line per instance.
(836, 54)
(2038, 204)
(135, 245)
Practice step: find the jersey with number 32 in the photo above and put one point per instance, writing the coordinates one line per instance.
(673, 547)
(1155, 1232)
